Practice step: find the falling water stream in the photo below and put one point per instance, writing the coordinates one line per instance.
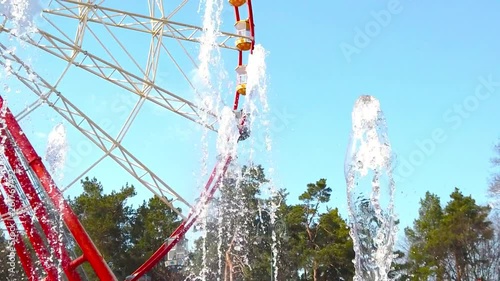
(55, 155)
(57, 148)
(257, 108)
(208, 79)
(21, 14)
(370, 191)
(19, 17)
(214, 91)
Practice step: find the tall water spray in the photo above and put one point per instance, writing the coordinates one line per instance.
(210, 73)
(256, 103)
(257, 108)
(57, 148)
(18, 19)
(370, 191)
(209, 79)
(22, 15)
(55, 155)
(229, 219)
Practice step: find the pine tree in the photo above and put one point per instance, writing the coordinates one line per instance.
(107, 219)
(318, 246)
(449, 243)
(10, 265)
(237, 241)
(425, 255)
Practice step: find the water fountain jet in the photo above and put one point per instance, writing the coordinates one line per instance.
(370, 191)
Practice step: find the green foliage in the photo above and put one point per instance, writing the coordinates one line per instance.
(153, 223)
(237, 230)
(451, 243)
(425, 251)
(399, 268)
(454, 242)
(153, 220)
(107, 219)
(335, 252)
(126, 237)
(318, 246)
(311, 243)
(10, 265)
(316, 194)
(323, 238)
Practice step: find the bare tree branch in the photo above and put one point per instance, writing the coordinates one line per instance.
(494, 188)
(496, 159)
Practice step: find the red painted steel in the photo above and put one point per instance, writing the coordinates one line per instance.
(184, 227)
(252, 24)
(27, 222)
(81, 237)
(20, 247)
(39, 210)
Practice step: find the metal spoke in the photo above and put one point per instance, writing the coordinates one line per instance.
(112, 73)
(92, 131)
(137, 22)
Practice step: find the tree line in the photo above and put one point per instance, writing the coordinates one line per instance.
(249, 236)
(124, 235)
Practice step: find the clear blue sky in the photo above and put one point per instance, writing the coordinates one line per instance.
(425, 60)
(423, 63)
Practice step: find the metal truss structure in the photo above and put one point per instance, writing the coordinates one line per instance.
(68, 27)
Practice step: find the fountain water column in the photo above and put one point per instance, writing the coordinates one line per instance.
(208, 97)
(370, 191)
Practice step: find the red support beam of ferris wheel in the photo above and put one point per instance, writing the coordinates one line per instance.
(184, 227)
(27, 223)
(81, 237)
(42, 214)
(21, 250)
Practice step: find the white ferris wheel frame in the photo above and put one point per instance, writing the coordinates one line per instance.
(70, 50)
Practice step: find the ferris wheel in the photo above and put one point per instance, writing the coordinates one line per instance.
(89, 52)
